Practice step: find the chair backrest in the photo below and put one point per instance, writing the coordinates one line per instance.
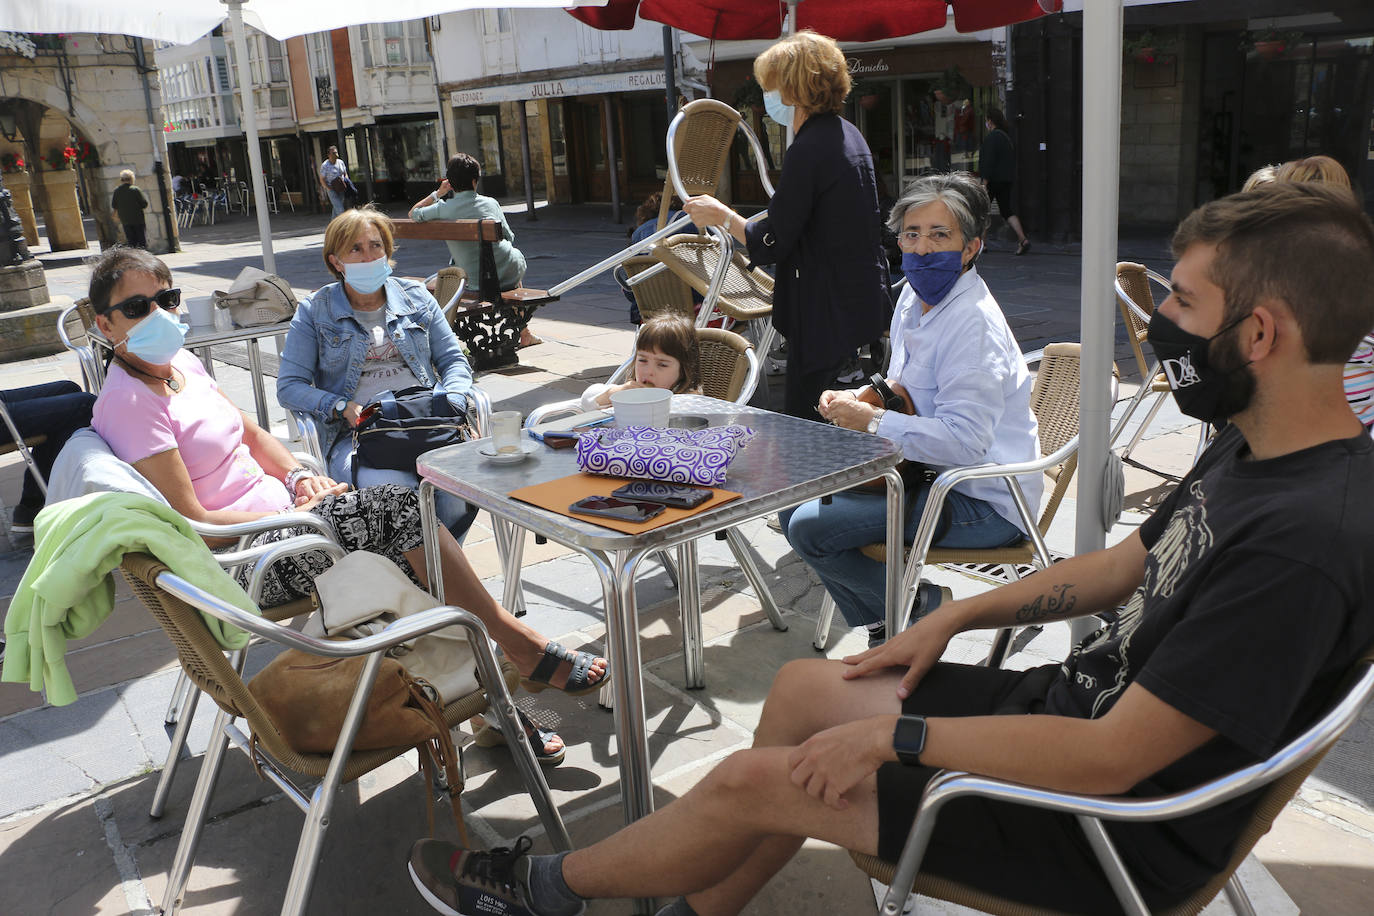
(1054, 401)
(450, 282)
(1136, 300)
(744, 294)
(663, 293)
(725, 365)
(701, 147)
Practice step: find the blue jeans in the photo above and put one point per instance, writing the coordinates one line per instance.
(828, 538)
(52, 409)
(455, 514)
(336, 200)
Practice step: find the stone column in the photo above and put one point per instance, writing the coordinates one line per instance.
(65, 231)
(18, 184)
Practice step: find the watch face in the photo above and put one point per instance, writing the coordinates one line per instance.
(909, 739)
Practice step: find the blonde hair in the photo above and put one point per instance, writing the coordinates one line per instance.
(345, 228)
(1266, 174)
(1315, 168)
(809, 70)
(127, 176)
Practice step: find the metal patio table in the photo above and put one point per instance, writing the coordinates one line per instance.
(202, 340)
(789, 462)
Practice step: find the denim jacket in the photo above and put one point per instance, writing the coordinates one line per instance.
(322, 361)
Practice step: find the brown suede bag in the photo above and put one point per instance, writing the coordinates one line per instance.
(307, 697)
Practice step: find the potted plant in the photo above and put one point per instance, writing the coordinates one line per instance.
(1269, 43)
(952, 86)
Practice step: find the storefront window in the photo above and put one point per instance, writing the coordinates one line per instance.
(404, 153)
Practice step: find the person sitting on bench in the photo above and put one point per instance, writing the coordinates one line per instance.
(457, 198)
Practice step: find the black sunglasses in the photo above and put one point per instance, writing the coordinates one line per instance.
(135, 307)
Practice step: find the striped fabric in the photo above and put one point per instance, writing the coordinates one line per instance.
(1359, 380)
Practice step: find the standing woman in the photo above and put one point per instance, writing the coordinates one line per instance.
(823, 229)
(997, 168)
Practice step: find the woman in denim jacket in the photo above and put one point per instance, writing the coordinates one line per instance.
(366, 334)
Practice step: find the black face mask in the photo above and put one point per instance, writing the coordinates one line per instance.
(1207, 387)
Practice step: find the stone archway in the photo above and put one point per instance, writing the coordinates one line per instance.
(107, 108)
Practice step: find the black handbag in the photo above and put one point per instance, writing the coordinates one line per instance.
(400, 426)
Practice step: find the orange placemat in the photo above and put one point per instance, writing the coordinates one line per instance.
(558, 495)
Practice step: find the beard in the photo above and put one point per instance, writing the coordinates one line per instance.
(1238, 380)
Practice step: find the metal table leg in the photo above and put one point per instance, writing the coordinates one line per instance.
(259, 394)
(896, 524)
(689, 606)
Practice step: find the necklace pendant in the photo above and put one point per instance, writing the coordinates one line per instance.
(173, 384)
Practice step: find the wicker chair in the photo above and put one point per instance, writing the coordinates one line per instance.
(1135, 298)
(1054, 400)
(177, 607)
(449, 285)
(1281, 775)
(657, 292)
(741, 294)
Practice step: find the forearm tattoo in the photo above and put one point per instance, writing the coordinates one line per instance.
(1057, 605)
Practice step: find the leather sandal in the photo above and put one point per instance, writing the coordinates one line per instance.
(578, 683)
(490, 735)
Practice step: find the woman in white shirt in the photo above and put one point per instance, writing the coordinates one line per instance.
(956, 360)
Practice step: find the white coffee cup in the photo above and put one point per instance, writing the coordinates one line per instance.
(505, 431)
(642, 407)
(202, 311)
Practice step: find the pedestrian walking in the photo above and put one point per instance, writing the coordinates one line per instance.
(129, 202)
(334, 180)
(997, 168)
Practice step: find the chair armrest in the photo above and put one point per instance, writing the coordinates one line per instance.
(267, 523)
(450, 307)
(479, 410)
(751, 378)
(399, 631)
(271, 553)
(310, 436)
(545, 412)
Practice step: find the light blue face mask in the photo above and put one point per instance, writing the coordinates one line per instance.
(783, 114)
(368, 276)
(157, 338)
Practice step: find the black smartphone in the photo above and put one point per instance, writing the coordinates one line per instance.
(678, 495)
(610, 507)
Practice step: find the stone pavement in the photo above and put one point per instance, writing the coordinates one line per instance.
(75, 781)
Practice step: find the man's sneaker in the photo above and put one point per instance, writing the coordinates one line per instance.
(929, 596)
(851, 373)
(461, 882)
(775, 366)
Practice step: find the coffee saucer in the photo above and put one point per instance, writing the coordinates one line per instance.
(527, 448)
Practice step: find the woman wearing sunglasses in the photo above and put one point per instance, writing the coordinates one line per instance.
(161, 412)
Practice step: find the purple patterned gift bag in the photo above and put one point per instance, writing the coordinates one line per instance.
(698, 456)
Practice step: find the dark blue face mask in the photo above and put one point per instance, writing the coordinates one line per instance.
(932, 275)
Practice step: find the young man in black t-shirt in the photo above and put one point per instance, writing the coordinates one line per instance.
(1247, 597)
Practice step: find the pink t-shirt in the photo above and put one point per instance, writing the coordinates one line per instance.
(198, 421)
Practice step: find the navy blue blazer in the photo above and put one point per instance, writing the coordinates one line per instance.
(824, 233)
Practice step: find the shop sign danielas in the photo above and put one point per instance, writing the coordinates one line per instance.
(549, 89)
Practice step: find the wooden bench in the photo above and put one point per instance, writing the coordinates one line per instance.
(491, 321)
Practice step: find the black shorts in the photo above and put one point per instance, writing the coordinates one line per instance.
(1029, 855)
(1000, 191)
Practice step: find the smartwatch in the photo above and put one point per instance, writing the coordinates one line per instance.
(891, 399)
(909, 739)
(339, 407)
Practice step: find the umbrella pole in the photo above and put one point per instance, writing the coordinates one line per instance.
(250, 127)
(1102, 26)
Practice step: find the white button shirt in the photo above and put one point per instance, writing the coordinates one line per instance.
(966, 376)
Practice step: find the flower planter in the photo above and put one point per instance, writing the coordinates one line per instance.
(65, 231)
(18, 185)
(1146, 55)
(868, 102)
(1270, 49)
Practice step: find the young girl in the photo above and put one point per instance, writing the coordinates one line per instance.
(666, 356)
